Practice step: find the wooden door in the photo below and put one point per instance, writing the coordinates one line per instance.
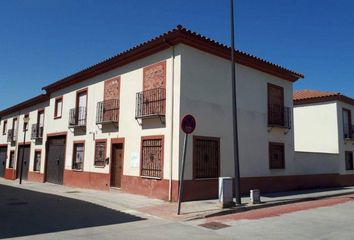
(276, 114)
(23, 151)
(3, 152)
(117, 165)
(55, 160)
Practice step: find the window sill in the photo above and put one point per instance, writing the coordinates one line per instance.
(151, 178)
(202, 179)
(99, 166)
(57, 117)
(77, 170)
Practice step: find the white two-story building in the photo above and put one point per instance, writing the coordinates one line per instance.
(14, 144)
(116, 124)
(324, 137)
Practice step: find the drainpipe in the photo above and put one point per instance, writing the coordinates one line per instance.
(172, 116)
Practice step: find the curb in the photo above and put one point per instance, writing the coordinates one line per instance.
(246, 208)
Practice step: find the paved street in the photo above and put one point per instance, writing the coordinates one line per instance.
(29, 214)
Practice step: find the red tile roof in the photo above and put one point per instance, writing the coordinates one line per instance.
(165, 41)
(25, 104)
(315, 96)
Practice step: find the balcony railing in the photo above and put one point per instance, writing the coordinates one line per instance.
(348, 131)
(77, 117)
(12, 135)
(151, 103)
(107, 111)
(279, 116)
(36, 131)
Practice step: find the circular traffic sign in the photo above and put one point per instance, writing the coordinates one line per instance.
(188, 124)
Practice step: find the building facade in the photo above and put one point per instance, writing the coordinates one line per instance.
(117, 124)
(324, 139)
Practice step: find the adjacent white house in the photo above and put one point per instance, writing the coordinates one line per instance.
(14, 143)
(116, 124)
(324, 137)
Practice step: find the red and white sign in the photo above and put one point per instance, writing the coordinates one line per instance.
(188, 124)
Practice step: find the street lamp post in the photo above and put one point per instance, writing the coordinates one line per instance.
(234, 109)
(25, 128)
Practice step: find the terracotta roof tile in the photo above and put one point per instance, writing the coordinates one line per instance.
(315, 96)
(308, 94)
(166, 40)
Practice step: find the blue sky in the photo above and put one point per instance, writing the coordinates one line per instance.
(43, 41)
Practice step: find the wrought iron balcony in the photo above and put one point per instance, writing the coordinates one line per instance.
(77, 117)
(12, 135)
(36, 131)
(151, 103)
(348, 131)
(107, 111)
(279, 116)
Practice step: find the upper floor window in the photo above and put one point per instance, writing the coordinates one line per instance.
(58, 107)
(347, 124)
(278, 114)
(14, 125)
(4, 127)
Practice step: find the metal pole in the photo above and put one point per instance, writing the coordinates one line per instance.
(23, 154)
(180, 191)
(234, 109)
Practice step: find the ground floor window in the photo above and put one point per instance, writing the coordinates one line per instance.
(349, 160)
(152, 157)
(78, 156)
(37, 161)
(12, 159)
(206, 157)
(276, 155)
(100, 153)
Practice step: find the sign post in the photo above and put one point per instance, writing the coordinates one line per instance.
(188, 125)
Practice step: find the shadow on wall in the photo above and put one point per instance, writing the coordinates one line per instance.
(24, 213)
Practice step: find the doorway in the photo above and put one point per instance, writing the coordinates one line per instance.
(3, 153)
(55, 159)
(23, 152)
(116, 165)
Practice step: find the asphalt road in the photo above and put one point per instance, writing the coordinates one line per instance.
(28, 214)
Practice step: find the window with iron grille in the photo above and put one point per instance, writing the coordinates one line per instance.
(100, 153)
(12, 159)
(152, 157)
(78, 157)
(206, 157)
(349, 160)
(276, 155)
(37, 161)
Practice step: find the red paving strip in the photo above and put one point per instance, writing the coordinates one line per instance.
(283, 209)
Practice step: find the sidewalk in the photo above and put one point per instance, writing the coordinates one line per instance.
(140, 205)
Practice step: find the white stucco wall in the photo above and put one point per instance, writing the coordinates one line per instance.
(206, 94)
(316, 128)
(307, 163)
(131, 82)
(35, 145)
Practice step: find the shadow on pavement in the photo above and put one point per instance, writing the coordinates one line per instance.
(24, 212)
